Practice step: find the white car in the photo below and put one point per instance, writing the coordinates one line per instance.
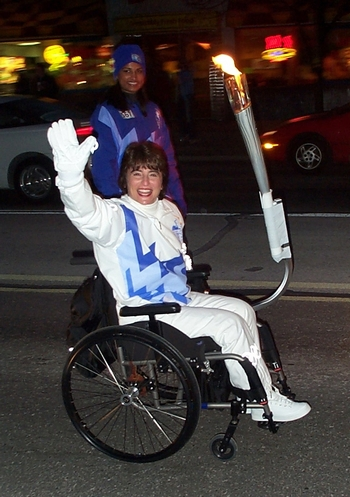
(26, 163)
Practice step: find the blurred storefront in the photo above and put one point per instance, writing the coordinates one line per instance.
(73, 64)
(277, 44)
(71, 37)
(274, 44)
(75, 39)
(317, 32)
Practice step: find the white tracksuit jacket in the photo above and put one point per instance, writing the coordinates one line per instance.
(139, 251)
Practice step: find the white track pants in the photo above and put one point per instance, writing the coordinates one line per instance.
(231, 323)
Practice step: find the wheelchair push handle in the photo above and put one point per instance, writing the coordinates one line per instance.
(82, 257)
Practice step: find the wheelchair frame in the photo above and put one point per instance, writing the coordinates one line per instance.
(135, 392)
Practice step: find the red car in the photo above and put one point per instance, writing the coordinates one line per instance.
(311, 142)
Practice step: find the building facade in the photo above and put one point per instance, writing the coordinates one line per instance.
(276, 43)
(70, 36)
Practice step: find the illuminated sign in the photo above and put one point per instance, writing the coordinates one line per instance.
(9, 67)
(278, 48)
(11, 64)
(104, 51)
(55, 55)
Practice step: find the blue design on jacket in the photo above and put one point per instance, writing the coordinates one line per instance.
(146, 275)
(115, 130)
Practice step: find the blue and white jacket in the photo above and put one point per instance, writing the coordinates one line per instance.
(138, 248)
(115, 130)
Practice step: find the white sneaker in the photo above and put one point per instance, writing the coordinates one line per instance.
(282, 408)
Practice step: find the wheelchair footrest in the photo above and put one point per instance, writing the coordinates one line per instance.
(265, 425)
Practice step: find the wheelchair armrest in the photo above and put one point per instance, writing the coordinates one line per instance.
(197, 278)
(199, 271)
(150, 309)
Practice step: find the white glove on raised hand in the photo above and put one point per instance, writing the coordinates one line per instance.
(69, 156)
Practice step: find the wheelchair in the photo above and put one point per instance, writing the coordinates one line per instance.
(135, 392)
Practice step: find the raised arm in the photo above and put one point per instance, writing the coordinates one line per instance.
(88, 212)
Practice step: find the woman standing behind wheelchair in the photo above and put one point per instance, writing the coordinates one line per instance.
(138, 245)
(126, 116)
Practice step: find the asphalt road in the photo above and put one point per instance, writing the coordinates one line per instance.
(43, 455)
(228, 185)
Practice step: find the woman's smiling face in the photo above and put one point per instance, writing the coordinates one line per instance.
(144, 185)
(131, 77)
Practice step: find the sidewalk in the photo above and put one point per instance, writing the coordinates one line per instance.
(215, 139)
(235, 247)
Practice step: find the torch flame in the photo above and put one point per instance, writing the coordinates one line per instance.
(235, 83)
(227, 64)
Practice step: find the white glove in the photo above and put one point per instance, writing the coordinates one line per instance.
(69, 157)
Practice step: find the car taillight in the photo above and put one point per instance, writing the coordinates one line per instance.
(84, 132)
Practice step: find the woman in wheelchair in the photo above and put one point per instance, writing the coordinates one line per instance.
(138, 245)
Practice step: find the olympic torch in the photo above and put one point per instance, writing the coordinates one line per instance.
(237, 91)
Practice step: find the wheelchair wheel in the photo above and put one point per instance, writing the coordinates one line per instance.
(131, 394)
(228, 453)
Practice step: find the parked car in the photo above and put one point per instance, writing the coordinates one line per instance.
(26, 163)
(311, 142)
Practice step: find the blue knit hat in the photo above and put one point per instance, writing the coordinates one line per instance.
(125, 54)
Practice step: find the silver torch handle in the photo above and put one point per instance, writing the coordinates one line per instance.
(238, 95)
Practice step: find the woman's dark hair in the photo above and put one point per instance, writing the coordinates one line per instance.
(144, 155)
(122, 101)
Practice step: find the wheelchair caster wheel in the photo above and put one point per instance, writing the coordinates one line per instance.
(224, 454)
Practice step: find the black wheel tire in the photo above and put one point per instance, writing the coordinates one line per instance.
(151, 423)
(34, 179)
(230, 452)
(309, 154)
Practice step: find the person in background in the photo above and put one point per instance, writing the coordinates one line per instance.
(22, 86)
(185, 100)
(127, 115)
(138, 245)
(43, 84)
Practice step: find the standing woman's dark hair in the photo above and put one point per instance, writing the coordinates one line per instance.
(120, 100)
(144, 155)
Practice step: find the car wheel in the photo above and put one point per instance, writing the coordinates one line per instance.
(35, 179)
(309, 153)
